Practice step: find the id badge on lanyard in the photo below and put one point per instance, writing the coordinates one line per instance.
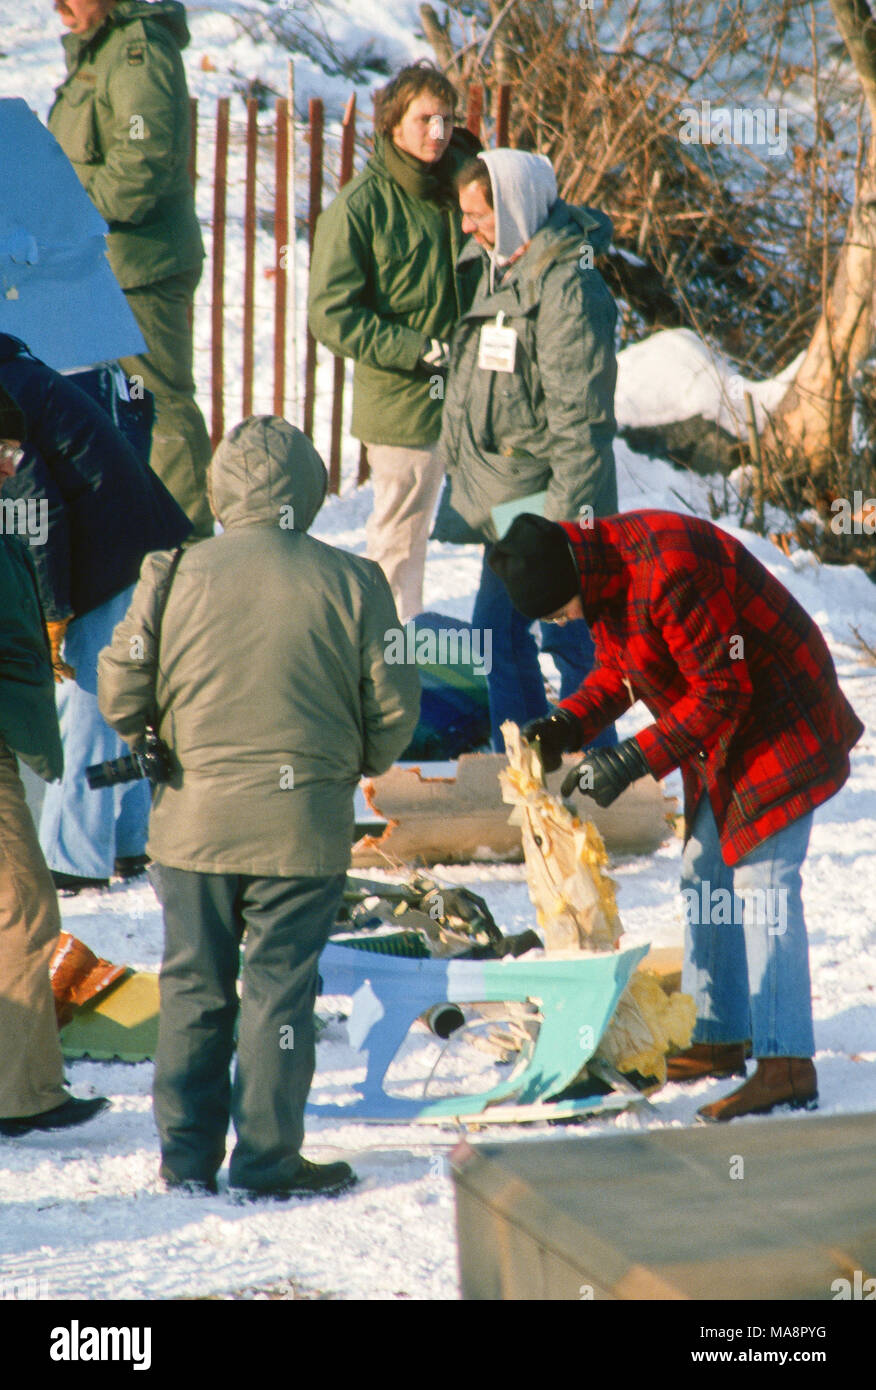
(497, 351)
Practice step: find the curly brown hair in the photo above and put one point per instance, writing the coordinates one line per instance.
(394, 99)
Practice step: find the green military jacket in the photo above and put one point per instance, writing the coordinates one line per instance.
(383, 281)
(28, 721)
(122, 119)
(549, 424)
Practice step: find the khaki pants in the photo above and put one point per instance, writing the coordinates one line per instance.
(31, 1070)
(406, 486)
(180, 443)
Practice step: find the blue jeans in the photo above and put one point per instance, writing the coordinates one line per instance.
(82, 831)
(746, 957)
(515, 686)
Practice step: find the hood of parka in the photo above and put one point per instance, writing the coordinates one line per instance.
(170, 13)
(263, 466)
(524, 191)
(526, 202)
(562, 235)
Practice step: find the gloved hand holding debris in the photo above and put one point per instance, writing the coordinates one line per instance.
(557, 733)
(606, 772)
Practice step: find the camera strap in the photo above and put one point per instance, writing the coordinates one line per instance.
(159, 619)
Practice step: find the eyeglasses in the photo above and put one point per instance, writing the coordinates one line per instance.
(476, 221)
(11, 453)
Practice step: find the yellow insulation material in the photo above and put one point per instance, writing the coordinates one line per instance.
(576, 909)
(646, 1024)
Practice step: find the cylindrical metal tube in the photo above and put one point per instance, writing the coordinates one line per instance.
(443, 1019)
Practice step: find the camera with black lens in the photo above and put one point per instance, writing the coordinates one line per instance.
(153, 760)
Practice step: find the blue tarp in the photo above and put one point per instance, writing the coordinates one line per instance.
(454, 710)
(57, 291)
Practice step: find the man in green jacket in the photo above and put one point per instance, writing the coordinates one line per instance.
(122, 118)
(384, 291)
(32, 1094)
(275, 698)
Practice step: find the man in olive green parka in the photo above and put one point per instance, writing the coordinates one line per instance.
(385, 291)
(122, 118)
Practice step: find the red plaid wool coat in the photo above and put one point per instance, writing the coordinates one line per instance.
(759, 723)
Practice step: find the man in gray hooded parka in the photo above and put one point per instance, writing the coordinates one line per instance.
(274, 697)
(529, 403)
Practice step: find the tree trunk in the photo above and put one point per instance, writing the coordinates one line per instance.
(812, 420)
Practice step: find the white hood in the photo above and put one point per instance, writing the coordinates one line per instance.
(524, 191)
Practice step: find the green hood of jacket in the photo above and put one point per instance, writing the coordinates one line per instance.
(263, 467)
(434, 182)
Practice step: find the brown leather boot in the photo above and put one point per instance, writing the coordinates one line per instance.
(707, 1059)
(778, 1081)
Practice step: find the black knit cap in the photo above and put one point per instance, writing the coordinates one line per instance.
(535, 562)
(12, 422)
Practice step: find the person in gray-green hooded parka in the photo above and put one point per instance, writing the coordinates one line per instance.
(122, 118)
(274, 696)
(529, 406)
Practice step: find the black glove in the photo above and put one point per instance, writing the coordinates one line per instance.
(557, 733)
(606, 772)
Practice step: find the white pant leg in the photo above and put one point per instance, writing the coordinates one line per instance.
(406, 486)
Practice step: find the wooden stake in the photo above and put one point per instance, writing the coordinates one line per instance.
(756, 454)
(281, 243)
(348, 138)
(292, 323)
(249, 229)
(475, 108)
(317, 118)
(503, 115)
(220, 179)
(193, 140)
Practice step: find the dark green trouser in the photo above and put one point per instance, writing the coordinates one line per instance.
(287, 923)
(180, 443)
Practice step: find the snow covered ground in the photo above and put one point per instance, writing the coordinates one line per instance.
(83, 1215)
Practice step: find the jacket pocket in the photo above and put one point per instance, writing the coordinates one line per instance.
(401, 271)
(802, 698)
(521, 472)
(513, 421)
(495, 478)
(75, 123)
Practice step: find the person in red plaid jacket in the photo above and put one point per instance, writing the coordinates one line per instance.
(746, 703)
